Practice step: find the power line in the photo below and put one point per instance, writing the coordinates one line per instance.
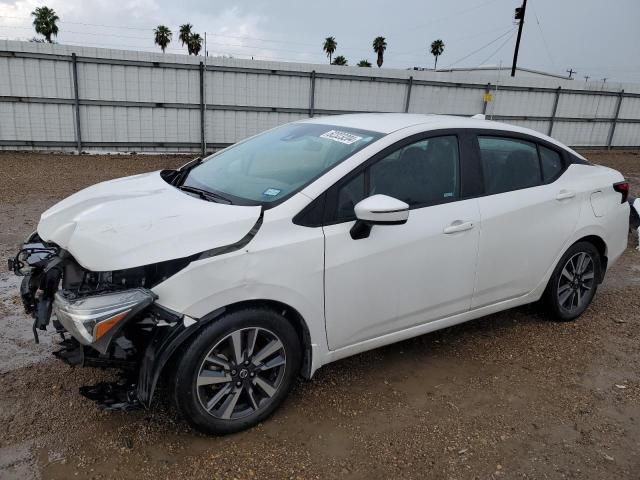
(544, 41)
(481, 48)
(150, 29)
(498, 49)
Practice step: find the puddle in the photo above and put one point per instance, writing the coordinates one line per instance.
(17, 348)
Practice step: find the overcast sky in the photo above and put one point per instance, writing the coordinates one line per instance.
(595, 38)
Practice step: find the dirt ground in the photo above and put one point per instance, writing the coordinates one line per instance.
(511, 395)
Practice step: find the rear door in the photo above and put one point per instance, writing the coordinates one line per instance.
(529, 212)
(401, 275)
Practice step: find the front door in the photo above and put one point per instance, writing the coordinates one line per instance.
(401, 275)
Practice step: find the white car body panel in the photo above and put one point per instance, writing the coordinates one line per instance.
(354, 295)
(140, 220)
(384, 283)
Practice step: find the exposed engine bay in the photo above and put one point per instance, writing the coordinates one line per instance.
(103, 319)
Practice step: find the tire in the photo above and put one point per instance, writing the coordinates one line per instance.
(223, 385)
(568, 295)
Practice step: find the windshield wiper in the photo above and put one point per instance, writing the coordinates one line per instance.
(206, 195)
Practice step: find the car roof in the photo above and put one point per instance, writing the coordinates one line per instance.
(390, 122)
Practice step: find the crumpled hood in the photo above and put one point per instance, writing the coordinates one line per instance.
(140, 220)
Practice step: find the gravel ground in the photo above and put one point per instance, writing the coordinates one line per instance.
(511, 395)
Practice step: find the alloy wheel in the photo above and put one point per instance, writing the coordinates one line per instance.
(576, 282)
(241, 374)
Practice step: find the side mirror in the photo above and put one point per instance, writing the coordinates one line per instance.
(378, 210)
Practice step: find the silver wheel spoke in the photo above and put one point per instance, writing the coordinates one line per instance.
(251, 342)
(274, 362)
(585, 264)
(579, 263)
(226, 409)
(565, 296)
(587, 276)
(252, 398)
(217, 397)
(272, 347)
(266, 388)
(564, 288)
(218, 361)
(566, 274)
(211, 377)
(236, 340)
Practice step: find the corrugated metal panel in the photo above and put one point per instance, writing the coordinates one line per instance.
(355, 95)
(263, 85)
(581, 133)
(586, 106)
(45, 122)
(626, 134)
(535, 104)
(446, 100)
(229, 88)
(630, 108)
(223, 126)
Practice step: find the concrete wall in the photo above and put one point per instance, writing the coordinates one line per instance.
(140, 101)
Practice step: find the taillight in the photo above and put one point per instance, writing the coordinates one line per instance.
(623, 189)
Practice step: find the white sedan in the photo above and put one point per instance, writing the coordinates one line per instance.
(311, 242)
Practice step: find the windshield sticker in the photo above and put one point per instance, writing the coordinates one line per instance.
(342, 137)
(271, 192)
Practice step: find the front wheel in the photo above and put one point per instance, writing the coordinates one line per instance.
(237, 371)
(574, 282)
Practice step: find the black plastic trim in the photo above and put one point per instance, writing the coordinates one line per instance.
(566, 157)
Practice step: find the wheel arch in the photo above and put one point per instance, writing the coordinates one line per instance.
(601, 246)
(166, 344)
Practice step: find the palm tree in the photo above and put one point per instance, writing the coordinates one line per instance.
(185, 33)
(339, 60)
(379, 46)
(162, 36)
(437, 48)
(194, 44)
(44, 21)
(364, 63)
(330, 46)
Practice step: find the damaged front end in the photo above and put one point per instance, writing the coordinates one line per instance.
(103, 319)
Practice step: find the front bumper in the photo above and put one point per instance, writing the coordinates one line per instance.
(95, 320)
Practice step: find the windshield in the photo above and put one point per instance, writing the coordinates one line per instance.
(271, 166)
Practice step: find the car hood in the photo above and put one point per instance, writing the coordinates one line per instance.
(140, 220)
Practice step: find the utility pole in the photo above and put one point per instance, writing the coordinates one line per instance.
(520, 11)
(571, 71)
(586, 78)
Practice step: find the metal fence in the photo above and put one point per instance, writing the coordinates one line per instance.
(77, 98)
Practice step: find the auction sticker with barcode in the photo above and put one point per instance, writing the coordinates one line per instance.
(342, 137)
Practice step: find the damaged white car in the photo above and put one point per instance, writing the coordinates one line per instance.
(316, 240)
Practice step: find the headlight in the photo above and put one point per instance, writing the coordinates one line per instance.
(94, 320)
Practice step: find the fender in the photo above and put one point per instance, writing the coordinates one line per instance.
(164, 343)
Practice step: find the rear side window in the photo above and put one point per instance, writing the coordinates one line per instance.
(551, 164)
(508, 164)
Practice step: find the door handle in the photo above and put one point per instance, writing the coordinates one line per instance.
(458, 226)
(565, 195)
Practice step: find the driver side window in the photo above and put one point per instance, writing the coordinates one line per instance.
(421, 174)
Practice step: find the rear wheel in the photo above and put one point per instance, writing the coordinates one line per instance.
(237, 371)
(574, 281)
